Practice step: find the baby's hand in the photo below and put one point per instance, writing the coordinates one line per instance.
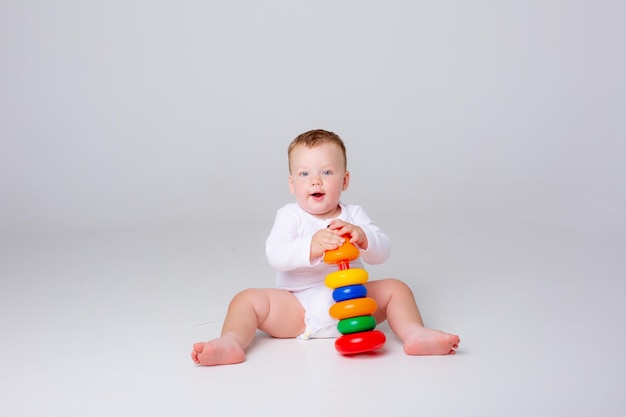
(357, 235)
(323, 240)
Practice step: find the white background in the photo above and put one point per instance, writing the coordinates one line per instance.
(143, 155)
(140, 114)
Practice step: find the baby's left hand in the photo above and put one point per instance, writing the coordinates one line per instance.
(357, 235)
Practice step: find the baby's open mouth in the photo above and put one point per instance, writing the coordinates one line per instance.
(317, 195)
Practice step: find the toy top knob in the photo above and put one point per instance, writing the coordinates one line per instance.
(345, 253)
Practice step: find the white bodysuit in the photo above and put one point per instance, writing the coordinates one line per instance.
(288, 249)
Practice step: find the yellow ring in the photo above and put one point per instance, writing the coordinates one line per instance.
(353, 308)
(346, 277)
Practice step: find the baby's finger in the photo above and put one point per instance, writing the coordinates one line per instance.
(336, 224)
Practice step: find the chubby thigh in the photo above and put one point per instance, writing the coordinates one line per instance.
(285, 314)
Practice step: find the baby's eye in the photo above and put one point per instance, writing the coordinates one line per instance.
(327, 172)
(304, 174)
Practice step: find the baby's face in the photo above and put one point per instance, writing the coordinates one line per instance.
(318, 176)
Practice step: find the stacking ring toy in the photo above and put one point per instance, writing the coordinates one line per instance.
(349, 292)
(352, 307)
(353, 343)
(346, 277)
(343, 254)
(356, 324)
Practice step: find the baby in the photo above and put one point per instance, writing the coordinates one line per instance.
(302, 232)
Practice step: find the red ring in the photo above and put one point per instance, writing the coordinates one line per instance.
(353, 343)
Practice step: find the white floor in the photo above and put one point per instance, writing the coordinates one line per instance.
(102, 325)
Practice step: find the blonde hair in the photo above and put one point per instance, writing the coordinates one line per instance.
(314, 138)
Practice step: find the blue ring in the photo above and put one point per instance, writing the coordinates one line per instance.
(349, 292)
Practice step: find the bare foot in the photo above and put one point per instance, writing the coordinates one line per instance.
(425, 341)
(221, 351)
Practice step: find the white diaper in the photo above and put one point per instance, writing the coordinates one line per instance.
(316, 302)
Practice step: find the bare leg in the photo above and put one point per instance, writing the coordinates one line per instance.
(276, 312)
(397, 305)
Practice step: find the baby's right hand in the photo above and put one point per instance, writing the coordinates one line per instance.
(323, 240)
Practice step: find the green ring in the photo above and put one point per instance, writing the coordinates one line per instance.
(356, 324)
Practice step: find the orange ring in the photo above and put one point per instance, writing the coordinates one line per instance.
(346, 252)
(345, 277)
(353, 308)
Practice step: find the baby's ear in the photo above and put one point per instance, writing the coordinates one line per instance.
(346, 180)
(291, 188)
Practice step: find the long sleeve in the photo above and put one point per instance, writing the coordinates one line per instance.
(379, 245)
(286, 249)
